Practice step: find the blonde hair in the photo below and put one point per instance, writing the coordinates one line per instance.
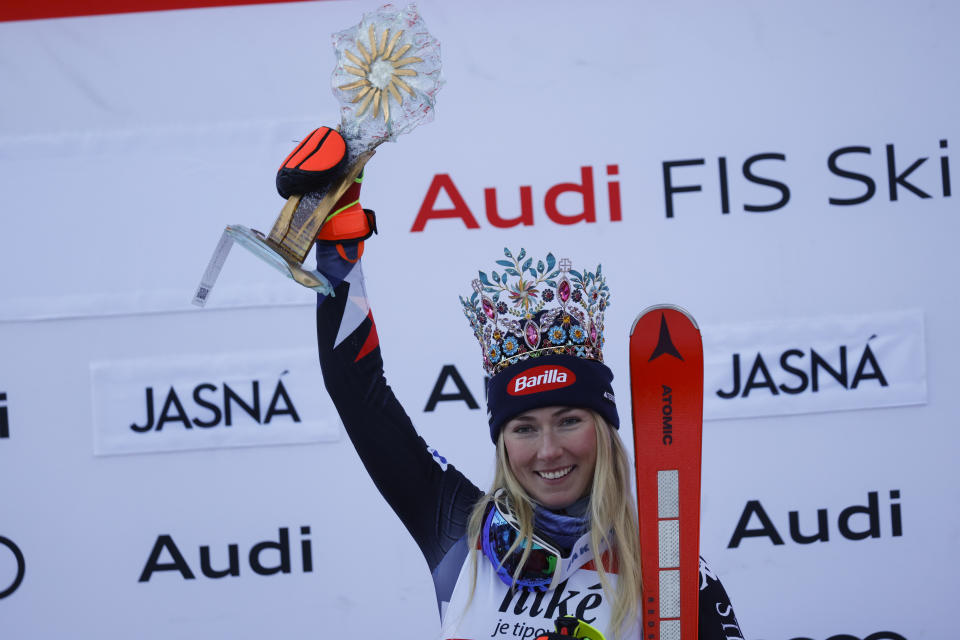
(613, 522)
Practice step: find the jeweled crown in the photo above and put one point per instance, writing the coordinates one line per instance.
(535, 308)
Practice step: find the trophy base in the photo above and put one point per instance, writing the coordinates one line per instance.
(255, 243)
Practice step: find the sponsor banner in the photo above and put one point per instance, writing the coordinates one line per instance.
(798, 199)
(210, 401)
(814, 364)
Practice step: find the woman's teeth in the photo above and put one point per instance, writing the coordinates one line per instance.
(553, 475)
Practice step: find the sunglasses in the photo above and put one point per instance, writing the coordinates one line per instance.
(500, 531)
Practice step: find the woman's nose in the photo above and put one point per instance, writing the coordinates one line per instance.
(549, 446)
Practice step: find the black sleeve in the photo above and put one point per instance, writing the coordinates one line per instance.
(717, 619)
(431, 498)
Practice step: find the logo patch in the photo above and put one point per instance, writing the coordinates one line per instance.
(543, 378)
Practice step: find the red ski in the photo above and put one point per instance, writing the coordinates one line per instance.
(666, 384)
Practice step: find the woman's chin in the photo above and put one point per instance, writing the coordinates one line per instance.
(556, 495)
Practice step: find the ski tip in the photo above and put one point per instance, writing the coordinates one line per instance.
(662, 307)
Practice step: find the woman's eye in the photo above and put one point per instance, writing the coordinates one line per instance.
(521, 429)
(570, 421)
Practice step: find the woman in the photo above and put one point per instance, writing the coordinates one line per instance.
(510, 561)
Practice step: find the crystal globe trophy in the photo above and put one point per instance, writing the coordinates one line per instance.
(386, 80)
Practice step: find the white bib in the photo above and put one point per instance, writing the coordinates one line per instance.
(497, 614)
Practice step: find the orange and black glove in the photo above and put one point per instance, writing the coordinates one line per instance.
(318, 161)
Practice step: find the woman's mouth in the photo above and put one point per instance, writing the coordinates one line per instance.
(555, 474)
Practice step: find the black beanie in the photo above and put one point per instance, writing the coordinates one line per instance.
(550, 380)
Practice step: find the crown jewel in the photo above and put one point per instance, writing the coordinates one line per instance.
(535, 308)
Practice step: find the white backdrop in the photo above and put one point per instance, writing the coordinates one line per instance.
(128, 141)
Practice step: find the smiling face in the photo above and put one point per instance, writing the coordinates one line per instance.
(552, 451)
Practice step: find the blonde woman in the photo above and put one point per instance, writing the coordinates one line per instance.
(555, 536)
